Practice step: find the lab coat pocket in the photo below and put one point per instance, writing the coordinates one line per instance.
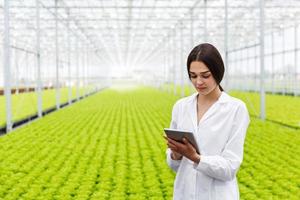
(225, 190)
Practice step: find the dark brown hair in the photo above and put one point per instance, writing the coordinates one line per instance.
(210, 56)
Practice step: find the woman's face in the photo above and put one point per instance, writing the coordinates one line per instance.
(202, 78)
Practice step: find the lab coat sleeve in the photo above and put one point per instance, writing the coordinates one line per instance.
(173, 164)
(225, 166)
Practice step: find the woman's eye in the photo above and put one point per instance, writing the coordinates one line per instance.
(203, 77)
(206, 76)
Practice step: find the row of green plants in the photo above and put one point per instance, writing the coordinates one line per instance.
(270, 169)
(284, 109)
(25, 104)
(279, 108)
(110, 146)
(104, 147)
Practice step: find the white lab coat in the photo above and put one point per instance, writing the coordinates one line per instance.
(220, 135)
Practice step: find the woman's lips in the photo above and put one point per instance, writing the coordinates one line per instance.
(201, 88)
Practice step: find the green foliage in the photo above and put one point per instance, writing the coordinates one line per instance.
(270, 169)
(283, 109)
(110, 146)
(25, 104)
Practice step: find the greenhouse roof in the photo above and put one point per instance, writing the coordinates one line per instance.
(132, 30)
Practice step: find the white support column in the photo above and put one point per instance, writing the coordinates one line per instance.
(90, 61)
(169, 57)
(285, 73)
(256, 75)
(86, 71)
(164, 67)
(170, 67)
(86, 67)
(181, 68)
(27, 72)
(77, 68)
(171, 60)
(7, 65)
(57, 57)
(82, 56)
(192, 28)
(69, 60)
(38, 57)
(272, 58)
(205, 21)
(175, 61)
(16, 58)
(226, 45)
(167, 64)
(248, 82)
(296, 86)
(262, 61)
(82, 80)
(191, 87)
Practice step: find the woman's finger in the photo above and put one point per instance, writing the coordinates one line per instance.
(171, 146)
(173, 149)
(185, 141)
(173, 142)
(166, 138)
(170, 141)
(188, 144)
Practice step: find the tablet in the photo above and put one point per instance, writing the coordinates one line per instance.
(178, 135)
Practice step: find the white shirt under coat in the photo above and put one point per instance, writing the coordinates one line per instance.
(220, 135)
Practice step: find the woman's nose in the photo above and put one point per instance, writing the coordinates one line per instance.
(199, 81)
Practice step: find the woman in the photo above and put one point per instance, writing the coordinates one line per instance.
(219, 123)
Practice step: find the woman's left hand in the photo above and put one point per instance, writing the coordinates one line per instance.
(186, 149)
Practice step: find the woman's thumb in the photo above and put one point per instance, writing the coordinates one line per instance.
(185, 141)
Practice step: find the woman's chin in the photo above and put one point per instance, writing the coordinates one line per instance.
(202, 91)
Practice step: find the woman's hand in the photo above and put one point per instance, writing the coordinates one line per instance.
(175, 155)
(185, 149)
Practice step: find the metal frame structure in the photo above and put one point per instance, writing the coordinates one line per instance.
(77, 43)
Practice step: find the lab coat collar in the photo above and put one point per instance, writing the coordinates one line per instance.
(224, 97)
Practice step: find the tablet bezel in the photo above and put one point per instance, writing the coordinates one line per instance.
(178, 135)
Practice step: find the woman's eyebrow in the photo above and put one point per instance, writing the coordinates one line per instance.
(199, 73)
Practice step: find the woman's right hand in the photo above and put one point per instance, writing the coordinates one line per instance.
(174, 155)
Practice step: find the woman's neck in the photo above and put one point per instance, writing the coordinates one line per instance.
(211, 97)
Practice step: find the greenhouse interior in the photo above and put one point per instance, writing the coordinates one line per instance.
(87, 88)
